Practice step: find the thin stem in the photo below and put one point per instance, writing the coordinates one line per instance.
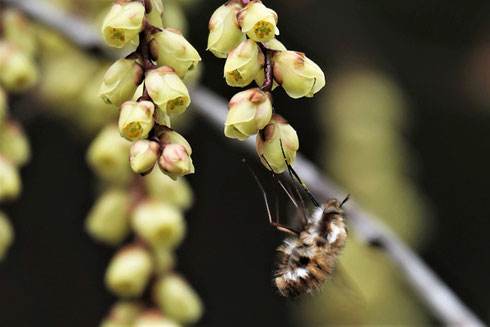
(268, 69)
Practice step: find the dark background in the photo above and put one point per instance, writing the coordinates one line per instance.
(54, 272)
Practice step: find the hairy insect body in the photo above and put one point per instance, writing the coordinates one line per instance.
(306, 261)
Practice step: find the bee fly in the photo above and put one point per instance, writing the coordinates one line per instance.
(307, 258)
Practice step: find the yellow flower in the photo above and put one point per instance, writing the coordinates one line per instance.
(129, 271)
(10, 185)
(224, 30)
(248, 112)
(123, 23)
(143, 156)
(243, 64)
(297, 74)
(17, 69)
(276, 137)
(169, 48)
(136, 119)
(167, 90)
(258, 21)
(121, 80)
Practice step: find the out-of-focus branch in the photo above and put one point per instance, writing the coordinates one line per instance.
(445, 305)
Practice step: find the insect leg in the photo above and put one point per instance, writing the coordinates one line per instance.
(276, 224)
(292, 172)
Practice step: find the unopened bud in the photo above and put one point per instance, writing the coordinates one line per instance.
(159, 224)
(17, 69)
(175, 160)
(169, 48)
(175, 192)
(136, 119)
(177, 299)
(123, 314)
(154, 318)
(248, 112)
(129, 271)
(10, 185)
(14, 143)
(120, 81)
(224, 31)
(108, 156)
(167, 90)
(243, 64)
(277, 144)
(6, 235)
(143, 155)
(297, 74)
(258, 21)
(123, 23)
(156, 13)
(17, 30)
(108, 220)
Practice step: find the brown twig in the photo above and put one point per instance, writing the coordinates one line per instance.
(268, 69)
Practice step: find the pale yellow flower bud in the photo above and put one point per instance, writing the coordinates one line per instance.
(177, 299)
(298, 75)
(143, 155)
(224, 31)
(14, 143)
(6, 235)
(167, 90)
(123, 23)
(17, 30)
(175, 160)
(243, 64)
(269, 141)
(10, 185)
(108, 156)
(129, 271)
(17, 70)
(136, 119)
(258, 21)
(175, 192)
(121, 80)
(108, 220)
(155, 15)
(123, 314)
(154, 318)
(248, 112)
(169, 48)
(158, 223)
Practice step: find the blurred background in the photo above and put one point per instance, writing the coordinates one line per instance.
(403, 124)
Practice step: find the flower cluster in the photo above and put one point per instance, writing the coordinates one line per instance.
(147, 85)
(244, 33)
(18, 73)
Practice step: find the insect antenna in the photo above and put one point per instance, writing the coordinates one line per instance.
(282, 228)
(345, 200)
(292, 173)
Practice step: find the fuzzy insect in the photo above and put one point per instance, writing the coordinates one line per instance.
(308, 257)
